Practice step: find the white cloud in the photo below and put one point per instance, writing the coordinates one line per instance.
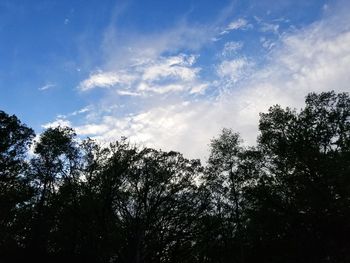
(58, 122)
(240, 23)
(167, 127)
(269, 27)
(92, 129)
(267, 43)
(315, 58)
(231, 48)
(105, 80)
(128, 93)
(152, 76)
(47, 86)
(199, 88)
(81, 111)
(162, 89)
(233, 69)
(122, 49)
(175, 66)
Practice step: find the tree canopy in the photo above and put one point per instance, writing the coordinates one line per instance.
(285, 199)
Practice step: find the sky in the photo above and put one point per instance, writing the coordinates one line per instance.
(167, 74)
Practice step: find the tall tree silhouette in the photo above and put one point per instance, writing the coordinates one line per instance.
(53, 165)
(287, 199)
(151, 196)
(15, 191)
(224, 183)
(307, 164)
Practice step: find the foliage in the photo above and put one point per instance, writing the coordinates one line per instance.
(287, 199)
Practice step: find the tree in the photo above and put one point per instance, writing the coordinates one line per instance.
(15, 139)
(287, 199)
(307, 164)
(151, 197)
(225, 183)
(54, 165)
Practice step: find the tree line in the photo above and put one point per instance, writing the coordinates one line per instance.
(286, 199)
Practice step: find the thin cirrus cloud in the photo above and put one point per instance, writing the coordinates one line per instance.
(315, 58)
(47, 87)
(268, 26)
(104, 80)
(240, 23)
(160, 76)
(231, 48)
(233, 69)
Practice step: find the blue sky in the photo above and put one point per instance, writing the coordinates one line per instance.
(167, 74)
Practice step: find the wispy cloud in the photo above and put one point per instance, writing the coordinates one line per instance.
(102, 79)
(267, 43)
(173, 106)
(81, 111)
(47, 86)
(58, 122)
(231, 48)
(269, 27)
(239, 24)
(233, 69)
(161, 75)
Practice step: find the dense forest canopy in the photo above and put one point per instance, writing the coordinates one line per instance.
(287, 199)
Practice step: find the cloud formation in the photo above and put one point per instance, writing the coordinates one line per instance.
(152, 76)
(105, 80)
(239, 24)
(231, 48)
(47, 86)
(175, 105)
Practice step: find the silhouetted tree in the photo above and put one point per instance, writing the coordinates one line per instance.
(151, 196)
(54, 168)
(287, 199)
(304, 200)
(15, 191)
(225, 188)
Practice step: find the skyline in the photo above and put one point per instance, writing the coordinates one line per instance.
(167, 75)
